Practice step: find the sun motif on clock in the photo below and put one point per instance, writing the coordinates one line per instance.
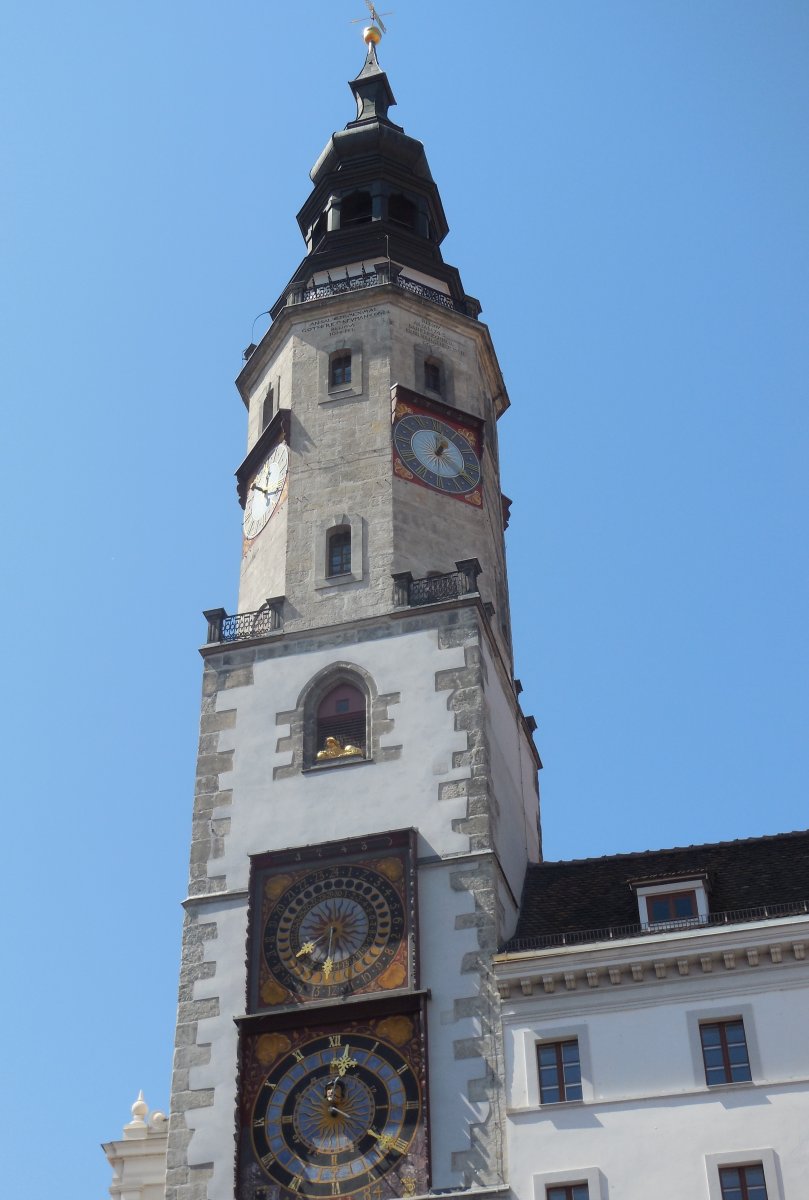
(431, 449)
(334, 1110)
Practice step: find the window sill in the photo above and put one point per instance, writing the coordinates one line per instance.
(341, 393)
(335, 764)
(550, 1106)
(729, 1087)
(337, 581)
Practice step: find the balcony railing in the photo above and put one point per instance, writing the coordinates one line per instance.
(436, 589)
(240, 627)
(383, 274)
(738, 916)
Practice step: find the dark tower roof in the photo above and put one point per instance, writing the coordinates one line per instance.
(374, 197)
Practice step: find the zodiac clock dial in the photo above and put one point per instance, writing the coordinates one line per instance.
(437, 454)
(333, 930)
(264, 493)
(335, 1113)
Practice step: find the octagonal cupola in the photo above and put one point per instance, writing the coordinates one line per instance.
(374, 199)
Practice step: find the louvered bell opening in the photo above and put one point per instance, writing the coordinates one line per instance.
(341, 717)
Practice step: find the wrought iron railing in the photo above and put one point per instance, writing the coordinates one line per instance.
(436, 589)
(738, 916)
(240, 627)
(369, 279)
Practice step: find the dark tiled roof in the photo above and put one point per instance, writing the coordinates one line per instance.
(593, 893)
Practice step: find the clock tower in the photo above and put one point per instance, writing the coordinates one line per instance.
(366, 796)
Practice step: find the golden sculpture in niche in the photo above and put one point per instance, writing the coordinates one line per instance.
(333, 749)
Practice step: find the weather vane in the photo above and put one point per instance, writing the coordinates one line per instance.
(375, 17)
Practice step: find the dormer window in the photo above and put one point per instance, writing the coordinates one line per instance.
(671, 906)
(673, 902)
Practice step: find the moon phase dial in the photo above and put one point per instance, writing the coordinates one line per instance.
(332, 931)
(337, 1113)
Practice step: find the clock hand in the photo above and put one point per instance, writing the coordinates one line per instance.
(256, 487)
(385, 1140)
(328, 962)
(343, 1063)
(308, 947)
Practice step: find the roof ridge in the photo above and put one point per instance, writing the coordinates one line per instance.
(767, 837)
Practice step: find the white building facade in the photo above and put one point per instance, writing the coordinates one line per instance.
(665, 1058)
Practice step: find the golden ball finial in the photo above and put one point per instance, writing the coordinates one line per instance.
(372, 35)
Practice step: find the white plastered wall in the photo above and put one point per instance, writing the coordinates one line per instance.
(348, 801)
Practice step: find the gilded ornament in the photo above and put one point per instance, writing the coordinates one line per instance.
(398, 1030)
(273, 993)
(394, 977)
(333, 749)
(270, 1046)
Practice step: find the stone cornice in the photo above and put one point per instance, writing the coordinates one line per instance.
(700, 952)
(295, 314)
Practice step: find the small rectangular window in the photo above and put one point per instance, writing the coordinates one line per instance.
(743, 1183)
(559, 1071)
(432, 377)
(339, 553)
(340, 370)
(568, 1191)
(724, 1052)
(268, 407)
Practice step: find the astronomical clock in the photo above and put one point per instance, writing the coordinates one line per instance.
(333, 1090)
(333, 922)
(437, 447)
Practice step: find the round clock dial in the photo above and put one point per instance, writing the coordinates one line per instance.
(335, 929)
(436, 453)
(335, 1115)
(265, 490)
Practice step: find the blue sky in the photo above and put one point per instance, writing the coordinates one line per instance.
(626, 182)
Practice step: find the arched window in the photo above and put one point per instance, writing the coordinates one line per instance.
(338, 551)
(342, 725)
(402, 211)
(355, 209)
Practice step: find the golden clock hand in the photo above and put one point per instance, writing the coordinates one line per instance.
(388, 1141)
(308, 947)
(328, 962)
(344, 1062)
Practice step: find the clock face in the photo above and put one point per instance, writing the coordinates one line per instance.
(265, 491)
(332, 931)
(335, 1111)
(437, 454)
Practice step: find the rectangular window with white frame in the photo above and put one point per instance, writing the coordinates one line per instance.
(576, 1183)
(672, 903)
(559, 1071)
(743, 1176)
(724, 1052)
